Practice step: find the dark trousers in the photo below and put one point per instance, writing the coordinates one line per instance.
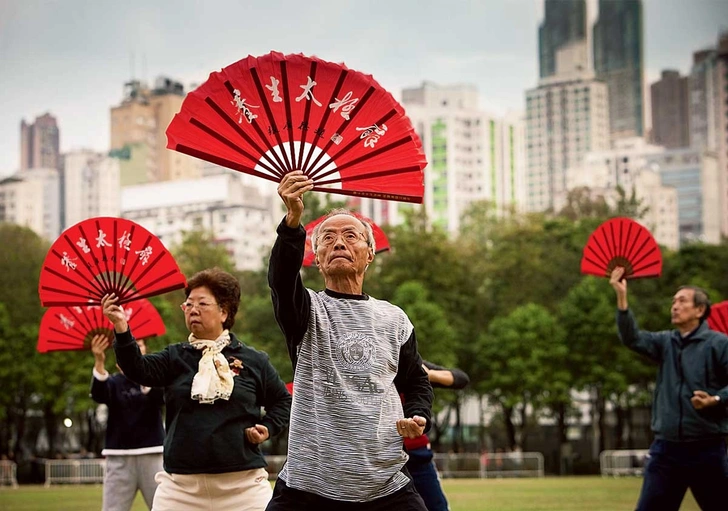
(673, 467)
(424, 475)
(290, 499)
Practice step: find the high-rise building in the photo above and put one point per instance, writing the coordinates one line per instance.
(670, 124)
(708, 106)
(40, 143)
(241, 219)
(31, 198)
(90, 187)
(564, 22)
(618, 60)
(567, 116)
(694, 174)
(472, 156)
(628, 165)
(138, 137)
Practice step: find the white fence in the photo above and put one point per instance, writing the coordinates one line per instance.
(74, 471)
(8, 473)
(623, 462)
(490, 465)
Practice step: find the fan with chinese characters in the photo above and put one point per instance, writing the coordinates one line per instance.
(105, 255)
(269, 115)
(622, 242)
(72, 328)
(381, 242)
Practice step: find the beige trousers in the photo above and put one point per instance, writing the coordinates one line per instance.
(247, 490)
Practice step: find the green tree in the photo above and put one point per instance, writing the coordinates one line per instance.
(521, 353)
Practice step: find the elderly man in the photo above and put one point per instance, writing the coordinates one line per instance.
(689, 406)
(352, 356)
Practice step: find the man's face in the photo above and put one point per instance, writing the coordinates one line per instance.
(683, 309)
(342, 246)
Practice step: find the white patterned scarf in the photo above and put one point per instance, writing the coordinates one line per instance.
(214, 379)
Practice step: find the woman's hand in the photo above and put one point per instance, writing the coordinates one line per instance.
(257, 434)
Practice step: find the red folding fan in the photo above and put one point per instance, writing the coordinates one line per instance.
(718, 319)
(622, 242)
(72, 328)
(106, 255)
(381, 242)
(269, 115)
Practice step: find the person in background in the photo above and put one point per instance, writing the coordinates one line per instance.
(689, 416)
(134, 432)
(215, 389)
(421, 465)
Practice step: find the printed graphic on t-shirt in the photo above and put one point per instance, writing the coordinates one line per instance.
(355, 351)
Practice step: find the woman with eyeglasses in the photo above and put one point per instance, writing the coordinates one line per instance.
(214, 388)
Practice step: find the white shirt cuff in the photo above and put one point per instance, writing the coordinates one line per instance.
(99, 376)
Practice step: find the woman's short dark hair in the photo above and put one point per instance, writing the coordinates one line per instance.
(700, 298)
(223, 286)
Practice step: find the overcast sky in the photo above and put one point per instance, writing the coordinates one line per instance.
(71, 57)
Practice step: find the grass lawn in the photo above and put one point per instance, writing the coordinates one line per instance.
(550, 494)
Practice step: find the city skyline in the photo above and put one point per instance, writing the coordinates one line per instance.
(73, 62)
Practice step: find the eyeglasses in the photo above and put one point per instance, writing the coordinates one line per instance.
(349, 237)
(202, 306)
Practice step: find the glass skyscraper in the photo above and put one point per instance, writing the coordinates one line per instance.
(618, 60)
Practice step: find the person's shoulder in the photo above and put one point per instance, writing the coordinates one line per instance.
(248, 353)
(387, 306)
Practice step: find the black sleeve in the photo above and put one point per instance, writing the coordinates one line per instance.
(276, 400)
(148, 370)
(100, 392)
(291, 302)
(460, 377)
(411, 382)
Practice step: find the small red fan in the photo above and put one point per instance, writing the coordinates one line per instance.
(622, 242)
(718, 319)
(269, 115)
(72, 328)
(381, 242)
(106, 255)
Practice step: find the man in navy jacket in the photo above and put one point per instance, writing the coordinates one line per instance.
(689, 416)
(134, 432)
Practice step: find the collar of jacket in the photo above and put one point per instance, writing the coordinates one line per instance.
(697, 335)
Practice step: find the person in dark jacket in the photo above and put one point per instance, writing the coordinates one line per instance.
(134, 432)
(214, 389)
(420, 464)
(352, 356)
(689, 416)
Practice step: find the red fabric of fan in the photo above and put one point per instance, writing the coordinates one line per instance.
(622, 242)
(380, 239)
(718, 319)
(106, 255)
(72, 328)
(269, 115)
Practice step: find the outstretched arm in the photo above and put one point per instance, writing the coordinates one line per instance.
(439, 376)
(649, 344)
(291, 302)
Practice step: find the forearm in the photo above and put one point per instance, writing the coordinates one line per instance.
(291, 302)
(412, 382)
(147, 370)
(622, 303)
(99, 366)
(439, 377)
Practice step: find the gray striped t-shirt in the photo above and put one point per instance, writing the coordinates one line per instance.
(343, 441)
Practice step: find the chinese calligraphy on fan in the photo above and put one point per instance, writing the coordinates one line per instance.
(372, 134)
